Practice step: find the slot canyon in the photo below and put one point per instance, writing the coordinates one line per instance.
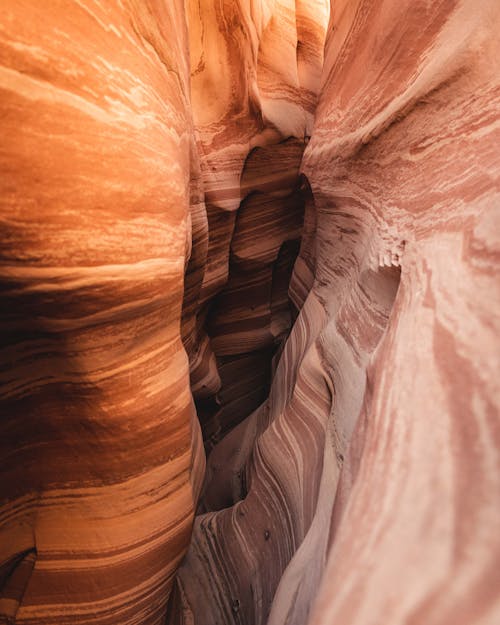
(250, 312)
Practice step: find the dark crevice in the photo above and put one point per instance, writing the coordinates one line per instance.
(15, 575)
(247, 313)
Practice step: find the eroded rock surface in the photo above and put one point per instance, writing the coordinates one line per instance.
(386, 392)
(253, 111)
(177, 212)
(100, 451)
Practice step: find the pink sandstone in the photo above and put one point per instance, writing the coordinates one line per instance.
(282, 217)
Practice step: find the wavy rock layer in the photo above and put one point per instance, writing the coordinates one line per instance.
(404, 167)
(371, 472)
(253, 110)
(152, 215)
(107, 190)
(100, 451)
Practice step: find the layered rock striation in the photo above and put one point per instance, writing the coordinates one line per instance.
(100, 451)
(369, 470)
(207, 209)
(253, 112)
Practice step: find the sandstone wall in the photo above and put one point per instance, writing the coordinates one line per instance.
(253, 111)
(100, 450)
(176, 212)
(373, 472)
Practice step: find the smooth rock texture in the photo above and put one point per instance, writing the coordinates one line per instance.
(404, 166)
(371, 472)
(253, 111)
(100, 451)
(204, 210)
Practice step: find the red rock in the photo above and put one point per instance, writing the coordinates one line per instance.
(99, 446)
(152, 214)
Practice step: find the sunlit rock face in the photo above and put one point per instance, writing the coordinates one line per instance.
(206, 210)
(100, 451)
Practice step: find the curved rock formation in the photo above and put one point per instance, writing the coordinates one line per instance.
(253, 109)
(404, 167)
(99, 447)
(386, 390)
(176, 213)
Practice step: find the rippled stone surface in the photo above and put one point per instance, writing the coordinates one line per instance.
(372, 472)
(174, 212)
(253, 110)
(404, 166)
(100, 450)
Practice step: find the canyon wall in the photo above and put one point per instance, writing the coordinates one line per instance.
(371, 472)
(404, 165)
(202, 194)
(100, 450)
(253, 111)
